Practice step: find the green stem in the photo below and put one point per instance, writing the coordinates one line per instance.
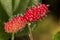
(12, 38)
(30, 30)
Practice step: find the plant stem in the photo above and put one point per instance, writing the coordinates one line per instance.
(30, 30)
(12, 38)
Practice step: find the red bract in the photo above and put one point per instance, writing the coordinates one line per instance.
(32, 14)
(17, 23)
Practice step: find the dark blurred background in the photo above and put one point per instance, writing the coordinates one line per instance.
(54, 7)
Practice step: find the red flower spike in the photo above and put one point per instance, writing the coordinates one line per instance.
(17, 23)
(35, 13)
(32, 14)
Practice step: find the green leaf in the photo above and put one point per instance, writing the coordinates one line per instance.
(57, 36)
(3, 34)
(35, 1)
(3, 18)
(40, 1)
(7, 5)
(23, 32)
(30, 3)
(34, 25)
(22, 7)
(16, 4)
(3, 15)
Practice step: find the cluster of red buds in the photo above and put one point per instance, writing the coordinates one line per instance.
(33, 14)
(17, 23)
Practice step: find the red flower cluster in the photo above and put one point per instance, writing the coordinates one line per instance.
(17, 23)
(32, 14)
(43, 9)
(35, 13)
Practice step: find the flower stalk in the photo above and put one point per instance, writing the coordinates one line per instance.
(12, 38)
(30, 32)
